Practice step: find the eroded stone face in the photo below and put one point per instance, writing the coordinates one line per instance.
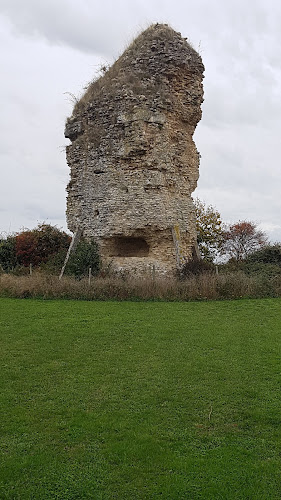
(133, 161)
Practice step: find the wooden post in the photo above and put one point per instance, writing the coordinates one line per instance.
(73, 244)
(217, 270)
(90, 275)
(179, 251)
(30, 269)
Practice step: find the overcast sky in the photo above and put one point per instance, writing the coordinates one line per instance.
(53, 48)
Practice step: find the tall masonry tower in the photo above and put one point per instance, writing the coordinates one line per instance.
(133, 163)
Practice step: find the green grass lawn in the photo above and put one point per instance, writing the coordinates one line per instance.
(124, 400)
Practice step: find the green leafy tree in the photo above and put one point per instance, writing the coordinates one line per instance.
(8, 258)
(209, 230)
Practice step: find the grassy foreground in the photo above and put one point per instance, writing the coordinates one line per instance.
(123, 400)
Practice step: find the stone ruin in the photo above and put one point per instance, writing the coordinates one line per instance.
(133, 161)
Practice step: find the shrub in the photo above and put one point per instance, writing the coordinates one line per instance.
(260, 263)
(8, 258)
(84, 257)
(270, 254)
(54, 263)
(259, 268)
(196, 267)
(38, 245)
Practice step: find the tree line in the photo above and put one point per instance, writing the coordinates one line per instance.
(240, 245)
(229, 241)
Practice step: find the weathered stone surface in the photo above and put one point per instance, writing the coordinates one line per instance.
(133, 161)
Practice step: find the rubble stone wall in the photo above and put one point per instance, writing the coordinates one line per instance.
(133, 162)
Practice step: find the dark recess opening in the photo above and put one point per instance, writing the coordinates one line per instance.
(129, 247)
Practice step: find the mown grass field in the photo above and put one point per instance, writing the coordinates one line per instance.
(140, 400)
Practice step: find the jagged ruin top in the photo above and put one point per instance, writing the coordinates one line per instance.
(156, 54)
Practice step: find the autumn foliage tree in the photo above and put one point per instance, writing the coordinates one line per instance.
(242, 239)
(38, 245)
(46, 247)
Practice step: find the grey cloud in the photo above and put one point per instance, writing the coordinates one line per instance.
(57, 46)
(84, 25)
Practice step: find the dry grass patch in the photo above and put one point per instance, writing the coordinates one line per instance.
(203, 287)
